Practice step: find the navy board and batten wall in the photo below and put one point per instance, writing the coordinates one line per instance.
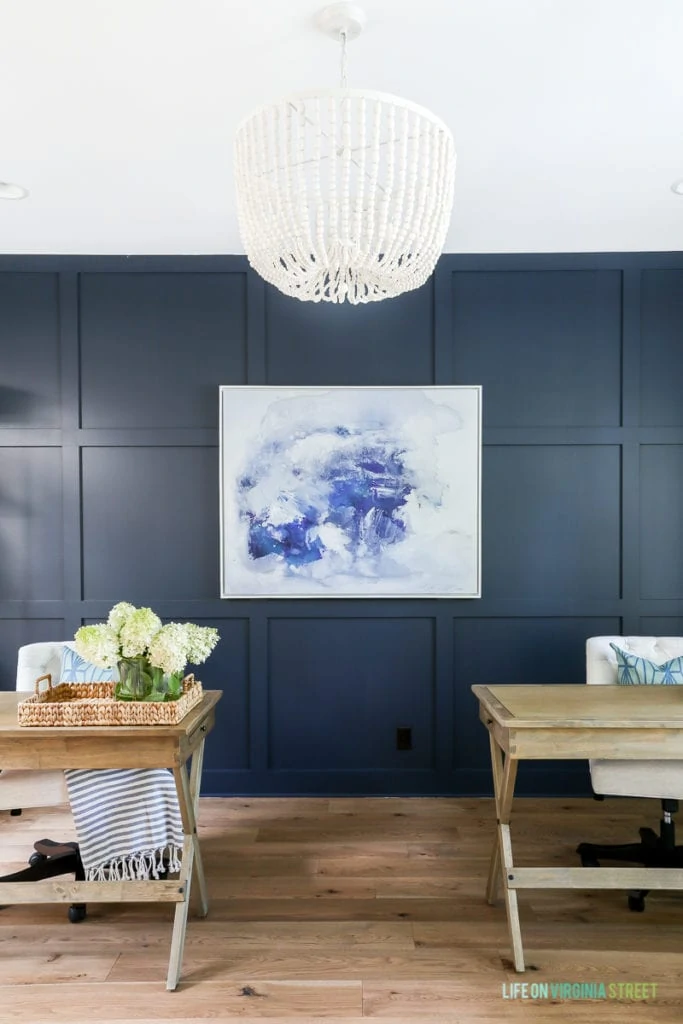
(110, 368)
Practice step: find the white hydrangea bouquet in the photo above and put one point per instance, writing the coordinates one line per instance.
(151, 658)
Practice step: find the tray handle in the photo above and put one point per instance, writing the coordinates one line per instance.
(39, 680)
(188, 680)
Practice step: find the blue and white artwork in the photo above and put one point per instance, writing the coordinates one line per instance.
(350, 492)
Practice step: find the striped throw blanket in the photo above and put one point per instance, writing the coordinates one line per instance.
(127, 821)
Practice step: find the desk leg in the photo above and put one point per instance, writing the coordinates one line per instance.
(494, 866)
(188, 800)
(195, 784)
(504, 775)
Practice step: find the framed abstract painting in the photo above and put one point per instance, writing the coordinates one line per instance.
(350, 491)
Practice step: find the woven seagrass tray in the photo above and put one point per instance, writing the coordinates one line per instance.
(74, 704)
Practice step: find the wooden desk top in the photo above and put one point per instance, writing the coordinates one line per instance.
(544, 706)
(119, 746)
(559, 721)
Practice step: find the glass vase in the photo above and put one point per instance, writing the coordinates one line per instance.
(166, 685)
(135, 679)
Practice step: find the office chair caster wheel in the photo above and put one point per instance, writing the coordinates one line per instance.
(636, 902)
(649, 838)
(77, 912)
(36, 858)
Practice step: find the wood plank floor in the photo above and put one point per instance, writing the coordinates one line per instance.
(336, 910)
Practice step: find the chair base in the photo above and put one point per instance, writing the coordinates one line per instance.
(652, 852)
(49, 860)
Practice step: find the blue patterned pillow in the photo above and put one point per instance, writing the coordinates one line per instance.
(634, 671)
(76, 669)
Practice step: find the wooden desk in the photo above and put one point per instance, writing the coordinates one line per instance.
(155, 746)
(556, 722)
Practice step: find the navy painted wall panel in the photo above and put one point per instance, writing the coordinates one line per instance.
(545, 346)
(661, 625)
(551, 521)
(661, 511)
(109, 375)
(661, 372)
(31, 540)
(158, 509)
(374, 344)
(154, 346)
(228, 669)
(340, 688)
(29, 350)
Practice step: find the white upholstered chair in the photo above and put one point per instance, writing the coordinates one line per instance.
(661, 780)
(34, 788)
(20, 789)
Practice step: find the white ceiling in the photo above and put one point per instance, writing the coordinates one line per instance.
(119, 115)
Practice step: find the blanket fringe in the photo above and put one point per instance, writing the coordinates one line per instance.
(137, 867)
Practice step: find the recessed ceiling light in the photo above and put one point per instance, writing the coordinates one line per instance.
(677, 187)
(10, 191)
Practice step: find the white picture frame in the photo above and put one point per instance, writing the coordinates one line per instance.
(350, 492)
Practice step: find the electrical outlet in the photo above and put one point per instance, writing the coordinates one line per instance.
(404, 739)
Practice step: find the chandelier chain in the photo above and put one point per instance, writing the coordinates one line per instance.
(342, 35)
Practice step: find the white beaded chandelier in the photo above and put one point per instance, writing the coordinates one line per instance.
(344, 194)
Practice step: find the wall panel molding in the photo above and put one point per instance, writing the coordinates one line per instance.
(120, 501)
